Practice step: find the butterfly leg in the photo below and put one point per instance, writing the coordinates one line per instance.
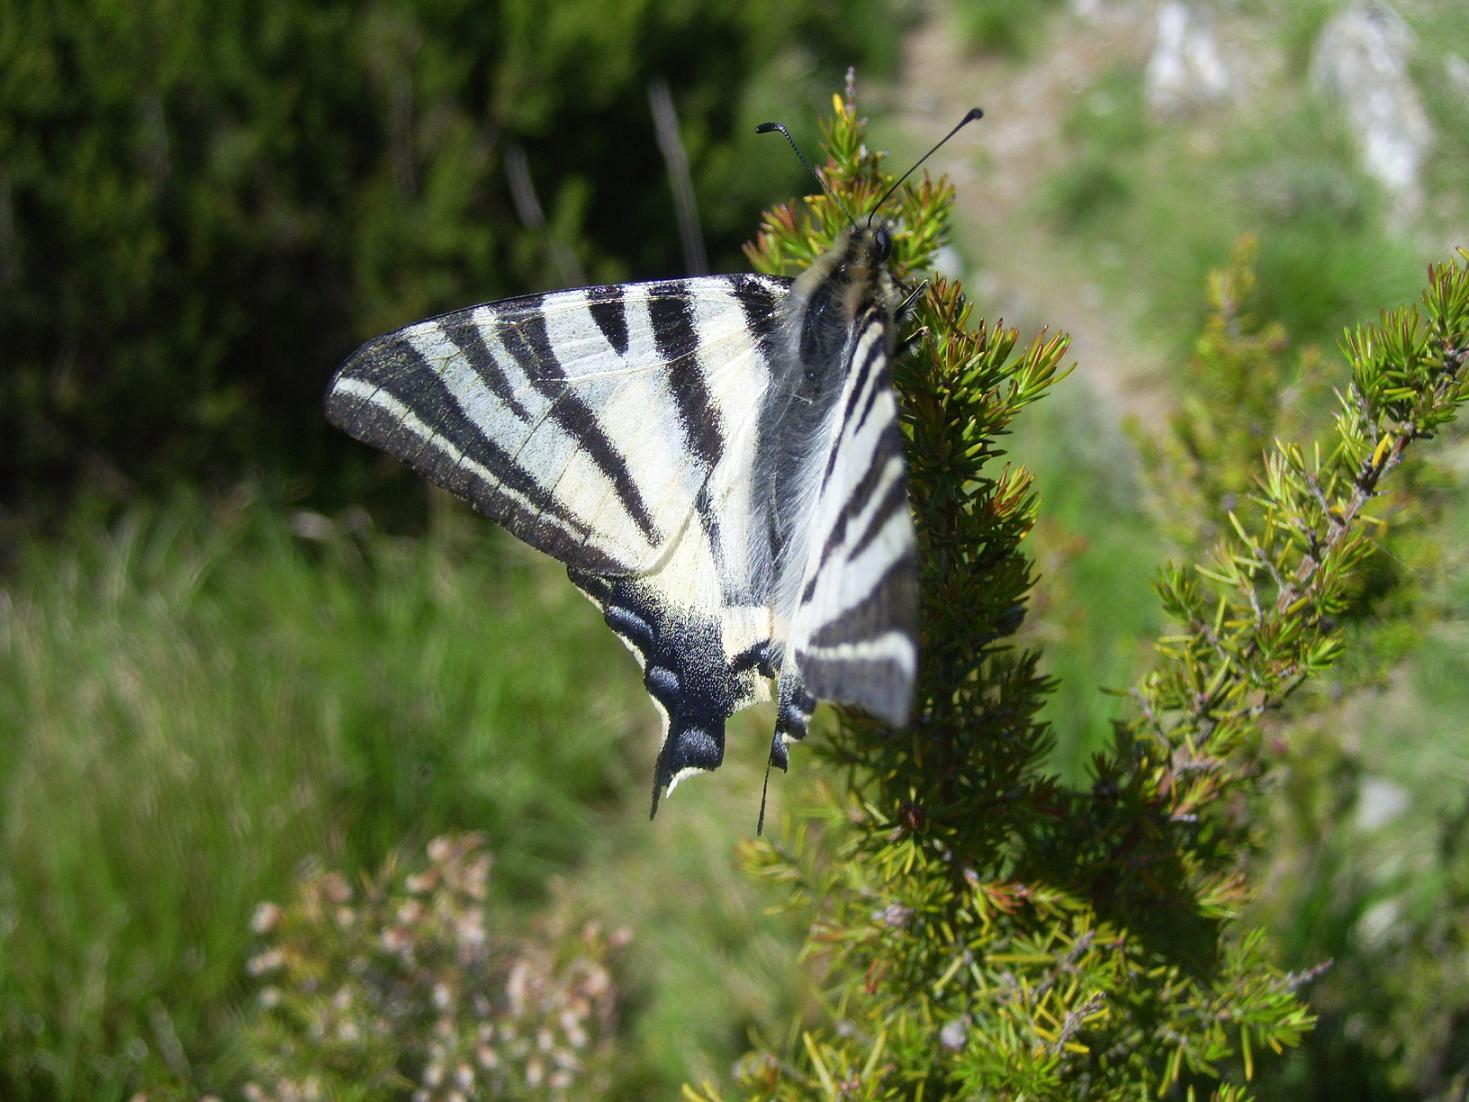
(793, 709)
(910, 301)
(905, 311)
(912, 340)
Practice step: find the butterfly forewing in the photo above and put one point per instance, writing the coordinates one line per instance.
(588, 422)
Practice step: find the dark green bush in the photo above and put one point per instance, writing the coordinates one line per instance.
(204, 208)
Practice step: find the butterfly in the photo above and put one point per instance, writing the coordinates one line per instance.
(716, 460)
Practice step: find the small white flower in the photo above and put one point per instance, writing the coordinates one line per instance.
(265, 919)
(267, 961)
(953, 1034)
(410, 913)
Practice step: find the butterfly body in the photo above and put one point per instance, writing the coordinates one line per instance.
(716, 460)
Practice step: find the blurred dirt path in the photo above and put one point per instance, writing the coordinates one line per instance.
(1022, 269)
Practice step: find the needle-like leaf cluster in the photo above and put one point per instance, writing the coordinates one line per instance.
(977, 928)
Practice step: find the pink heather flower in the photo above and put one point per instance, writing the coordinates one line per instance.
(336, 887)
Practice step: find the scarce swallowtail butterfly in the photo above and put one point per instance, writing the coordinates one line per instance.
(716, 460)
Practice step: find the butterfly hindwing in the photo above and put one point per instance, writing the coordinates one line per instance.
(853, 636)
(701, 664)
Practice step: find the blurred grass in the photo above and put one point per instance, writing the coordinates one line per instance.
(201, 700)
(710, 963)
(1097, 550)
(1009, 27)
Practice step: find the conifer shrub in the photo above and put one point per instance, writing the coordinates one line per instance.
(1367, 862)
(202, 212)
(977, 929)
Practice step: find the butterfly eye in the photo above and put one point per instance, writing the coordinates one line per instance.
(883, 239)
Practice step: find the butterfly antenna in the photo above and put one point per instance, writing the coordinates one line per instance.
(767, 127)
(974, 113)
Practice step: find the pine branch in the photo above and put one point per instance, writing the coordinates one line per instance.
(980, 929)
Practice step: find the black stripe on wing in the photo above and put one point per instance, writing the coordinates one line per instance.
(489, 402)
(877, 613)
(672, 315)
(465, 334)
(761, 304)
(896, 495)
(609, 311)
(886, 683)
(675, 333)
(409, 413)
(858, 610)
(524, 336)
(870, 384)
(866, 653)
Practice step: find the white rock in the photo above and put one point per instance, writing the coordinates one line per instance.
(1186, 69)
(1361, 61)
(1379, 924)
(1379, 802)
(948, 263)
(1456, 70)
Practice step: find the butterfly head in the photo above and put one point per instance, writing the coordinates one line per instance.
(858, 263)
(853, 274)
(841, 286)
(882, 242)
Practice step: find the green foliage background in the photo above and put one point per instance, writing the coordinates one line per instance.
(218, 670)
(205, 208)
(983, 930)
